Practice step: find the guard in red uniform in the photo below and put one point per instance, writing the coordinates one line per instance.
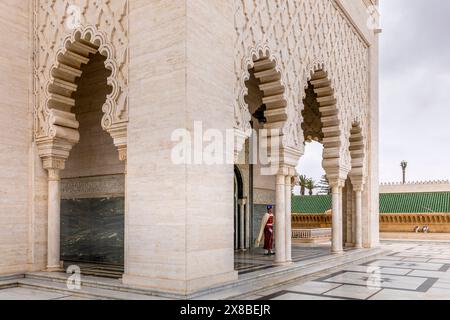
(266, 230)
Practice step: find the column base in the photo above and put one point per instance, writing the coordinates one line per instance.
(178, 286)
(350, 245)
(55, 268)
(337, 251)
(282, 263)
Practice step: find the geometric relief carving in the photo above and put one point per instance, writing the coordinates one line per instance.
(93, 187)
(61, 48)
(304, 36)
(312, 124)
(358, 155)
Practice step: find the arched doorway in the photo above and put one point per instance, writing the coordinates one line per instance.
(92, 198)
(321, 124)
(85, 109)
(267, 107)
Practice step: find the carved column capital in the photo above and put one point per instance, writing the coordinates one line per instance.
(54, 152)
(123, 153)
(337, 183)
(53, 163)
(358, 182)
(54, 174)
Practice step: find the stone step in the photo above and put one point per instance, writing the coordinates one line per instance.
(267, 279)
(102, 288)
(90, 292)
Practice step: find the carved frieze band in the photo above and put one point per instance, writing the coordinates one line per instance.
(93, 187)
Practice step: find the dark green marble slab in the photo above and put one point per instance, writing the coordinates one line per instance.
(92, 230)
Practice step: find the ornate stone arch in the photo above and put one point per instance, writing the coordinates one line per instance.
(267, 71)
(358, 154)
(59, 131)
(335, 157)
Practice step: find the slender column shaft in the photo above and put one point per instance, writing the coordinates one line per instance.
(337, 220)
(54, 213)
(236, 226)
(288, 192)
(242, 225)
(280, 221)
(247, 227)
(358, 218)
(126, 249)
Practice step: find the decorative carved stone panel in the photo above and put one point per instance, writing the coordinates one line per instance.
(300, 37)
(66, 33)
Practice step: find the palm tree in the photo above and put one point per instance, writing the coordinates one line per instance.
(310, 185)
(324, 186)
(302, 183)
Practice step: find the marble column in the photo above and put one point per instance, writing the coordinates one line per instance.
(288, 192)
(280, 220)
(242, 224)
(337, 241)
(54, 217)
(126, 220)
(247, 225)
(358, 217)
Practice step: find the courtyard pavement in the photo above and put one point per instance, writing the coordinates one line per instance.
(412, 271)
(408, 271)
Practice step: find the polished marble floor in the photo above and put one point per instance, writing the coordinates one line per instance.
(35, 294)
(408, 271)
(255, 260)
(411, 271)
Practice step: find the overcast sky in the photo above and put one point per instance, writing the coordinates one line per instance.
(414, 92)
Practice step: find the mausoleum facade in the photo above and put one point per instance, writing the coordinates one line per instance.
(102, 98)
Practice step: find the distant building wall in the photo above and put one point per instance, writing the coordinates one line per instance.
(414, 187)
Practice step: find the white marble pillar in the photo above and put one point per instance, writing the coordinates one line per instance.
(288, 192)
(358, 217)
(242, 224)
(280, 220)
(126, 220)
(54, 213)
(247, 225)
(336, 241)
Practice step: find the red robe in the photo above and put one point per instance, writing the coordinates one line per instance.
(268, 234)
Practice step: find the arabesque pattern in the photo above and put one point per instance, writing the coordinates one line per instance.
(65, 34)
(302, 37)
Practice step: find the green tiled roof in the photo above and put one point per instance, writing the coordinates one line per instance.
(433, 202)
(311, 204)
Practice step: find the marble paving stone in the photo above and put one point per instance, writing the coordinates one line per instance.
(393, 258)
(438, 294)
(442, 284)
(407, 265)
(390, 294)
(252, 297)
(297, 296)
(416, 259)
(446, 261)
(28, 294)
(433, 274)
(313, 287)
(74, 298)
(374, 280)
(353, 292)
(370, 270)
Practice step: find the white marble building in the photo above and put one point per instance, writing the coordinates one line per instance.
(92, 92)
